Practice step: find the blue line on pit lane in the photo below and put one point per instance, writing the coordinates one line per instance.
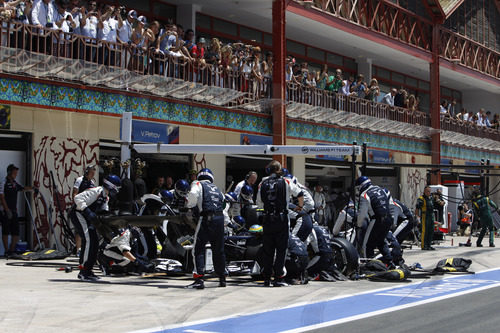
(300, 316)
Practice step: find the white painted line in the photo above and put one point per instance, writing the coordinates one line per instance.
(210, 320)
(388, 310)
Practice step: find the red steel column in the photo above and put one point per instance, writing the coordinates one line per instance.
(435, 103)
(279, 84)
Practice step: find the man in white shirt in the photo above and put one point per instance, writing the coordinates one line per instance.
(320, 203)
(42, 16)
(109, 26)
(88, 28)
(389, 97)
(125, 35)
(65, 23)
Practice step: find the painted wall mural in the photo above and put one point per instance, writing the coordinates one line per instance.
(413, 181)
(66, 159)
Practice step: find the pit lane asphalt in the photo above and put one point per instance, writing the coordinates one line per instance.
(476, 312)
(41, 299)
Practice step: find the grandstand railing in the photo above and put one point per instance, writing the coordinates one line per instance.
(123, 66)
(466, 52)
(383, 17)
(300, 93)
(469, 128)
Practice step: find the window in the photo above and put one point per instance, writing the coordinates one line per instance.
(203, 21)
(294, 47)
(250, 34)
(399, 78)
(268, 39)
(335, 59)
(315, 53)
(225, 27)
(165, 11)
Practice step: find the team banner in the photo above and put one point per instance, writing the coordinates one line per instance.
(250, 149)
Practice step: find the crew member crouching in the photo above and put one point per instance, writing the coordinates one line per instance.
(84, 216)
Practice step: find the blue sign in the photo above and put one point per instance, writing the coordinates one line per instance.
(380, 156)
(306, 317)
(476, 171)
(250, 139)
(149, 132)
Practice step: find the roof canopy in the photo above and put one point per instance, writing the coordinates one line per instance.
(442, 8)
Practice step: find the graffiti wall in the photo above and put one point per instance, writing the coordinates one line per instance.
(58, 162)
(413, 181)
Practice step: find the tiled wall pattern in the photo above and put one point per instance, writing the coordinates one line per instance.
(41, 94)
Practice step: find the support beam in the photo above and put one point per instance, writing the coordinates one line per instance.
(279, 84)
(435, 103)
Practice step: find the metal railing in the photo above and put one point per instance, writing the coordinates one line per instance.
(466, 52)
(328, 99)
(126, 66)
(469, 128)
(383, 17)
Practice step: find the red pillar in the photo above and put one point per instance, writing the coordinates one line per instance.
(279, 84)
(435, 103)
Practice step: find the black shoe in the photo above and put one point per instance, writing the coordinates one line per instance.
(431, 248)
(222, 282)
(425, 248)
(479, 245)
(279, 283)
(92, 275)
(197, 284)
(86, 276)
(267, 283)
(492, 245)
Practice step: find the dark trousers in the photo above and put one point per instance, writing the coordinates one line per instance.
(486, 224)
(305, 228)
(396, 252)
(275, 242)
(427, 229)
(90, 240)
(210, 229)
(377, 234)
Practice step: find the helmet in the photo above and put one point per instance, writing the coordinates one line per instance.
(239, 220)
(363, 182)
(112, 183)
(206, 174)
(284, 171)
(247, 192)
(256, 229)
(167, 196)
(288, 175)
(182, 188)
(231, 197)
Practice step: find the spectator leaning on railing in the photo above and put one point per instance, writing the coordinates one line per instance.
(389, 97)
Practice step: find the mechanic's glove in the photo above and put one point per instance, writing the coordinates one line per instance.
(89, 215)
(9, 214)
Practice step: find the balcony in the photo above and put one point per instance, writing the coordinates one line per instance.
(53, 55)
(390, 20)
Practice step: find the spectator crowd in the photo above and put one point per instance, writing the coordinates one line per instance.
(116, 36)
